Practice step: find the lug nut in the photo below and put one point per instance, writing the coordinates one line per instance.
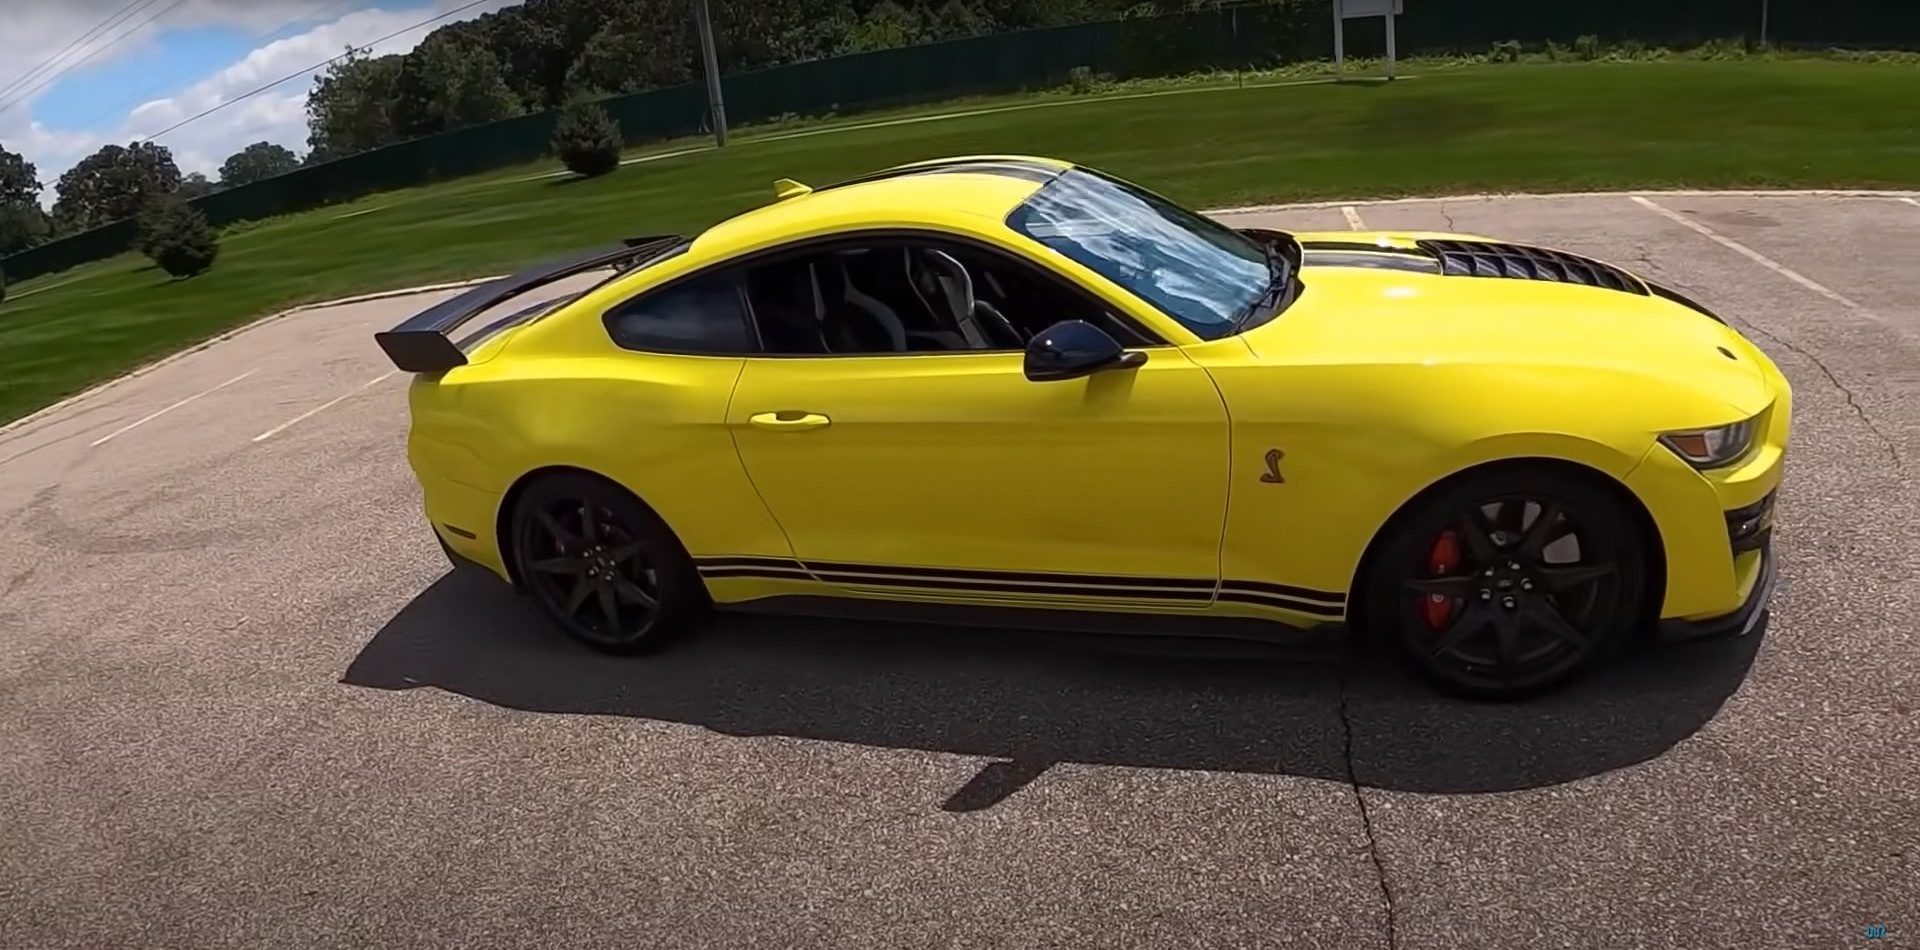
(1486, 594)
(1526, 583)
(1507, 602)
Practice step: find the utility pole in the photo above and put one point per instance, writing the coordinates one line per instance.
(1763, 23)
(1339, 40)
(714, 105)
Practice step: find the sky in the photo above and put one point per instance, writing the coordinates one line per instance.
(159, 61)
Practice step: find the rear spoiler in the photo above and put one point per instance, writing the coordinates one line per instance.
(422, 344)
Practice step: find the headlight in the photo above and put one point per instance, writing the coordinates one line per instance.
(1710, 448)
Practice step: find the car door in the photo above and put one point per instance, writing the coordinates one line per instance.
(916, 454)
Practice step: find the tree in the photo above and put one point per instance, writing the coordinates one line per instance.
(642, 50)
(348, 109)
(257, 161)
(586, 139)
(19, 180)
(22, 223)
(534, 56)
(448, 82)
(113, 183)
(955, 20)
(885, 26)
(195, 185)
(176, 236)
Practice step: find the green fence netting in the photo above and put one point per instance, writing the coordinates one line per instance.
(1228, 38)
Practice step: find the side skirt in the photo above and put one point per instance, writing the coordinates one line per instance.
(1081, 603)
(1052, 619)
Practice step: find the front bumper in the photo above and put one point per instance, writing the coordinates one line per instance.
(460, 562)
(1742, 621)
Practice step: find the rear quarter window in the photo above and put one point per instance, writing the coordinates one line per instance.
(700, 315)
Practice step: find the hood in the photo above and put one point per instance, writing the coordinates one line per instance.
(1430, 299)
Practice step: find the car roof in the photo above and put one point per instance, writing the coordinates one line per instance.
(968, 193)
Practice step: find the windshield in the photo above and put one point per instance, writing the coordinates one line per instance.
(1199, 272)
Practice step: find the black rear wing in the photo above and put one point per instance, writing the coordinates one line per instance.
(422, 344)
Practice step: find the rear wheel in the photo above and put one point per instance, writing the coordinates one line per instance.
(602, 566)
(1508, 583)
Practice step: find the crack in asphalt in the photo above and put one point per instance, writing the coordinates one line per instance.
(1853, 402)
(1366, 817)
(1893, 450)
(19, 580)
(1441, 206)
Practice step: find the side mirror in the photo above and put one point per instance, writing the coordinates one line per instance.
(1074, 348)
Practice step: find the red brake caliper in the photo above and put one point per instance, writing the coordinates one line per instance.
(1442, 560)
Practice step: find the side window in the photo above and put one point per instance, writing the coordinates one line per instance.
(912, 297)
(699, 315)
(1023, 299)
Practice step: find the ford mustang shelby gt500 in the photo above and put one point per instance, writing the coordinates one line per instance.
(985, 383)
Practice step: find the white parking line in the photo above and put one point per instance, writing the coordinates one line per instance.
(155, 415)
(1754, 256)
(355, 214)
(323, 407)
(1353, 218)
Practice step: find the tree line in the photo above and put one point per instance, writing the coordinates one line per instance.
(544, 54)
(537, 56)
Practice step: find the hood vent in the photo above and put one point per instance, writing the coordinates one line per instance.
(1521, 262)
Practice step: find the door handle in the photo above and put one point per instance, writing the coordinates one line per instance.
(788, 420)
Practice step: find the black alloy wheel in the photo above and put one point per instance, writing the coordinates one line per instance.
(601, 565)
(1501, 590)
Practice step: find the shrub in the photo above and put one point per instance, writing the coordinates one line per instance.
(1080, 79)
(1506, 51)
(1721, 48)
(1555, 51)
(1586, 47)
(176, 236)
(587, 140)
(1633, 49)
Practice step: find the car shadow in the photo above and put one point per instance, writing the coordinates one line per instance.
(1029, 699)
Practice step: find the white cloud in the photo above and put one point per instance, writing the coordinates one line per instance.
(277, 115)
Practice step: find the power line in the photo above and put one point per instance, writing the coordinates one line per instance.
(70, 67)
(326, 8)
(98, 28)
(297, 74)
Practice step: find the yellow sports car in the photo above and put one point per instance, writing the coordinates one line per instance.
(1004, 387)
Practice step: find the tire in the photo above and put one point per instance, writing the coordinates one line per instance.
(1509, 582)
(602, 566)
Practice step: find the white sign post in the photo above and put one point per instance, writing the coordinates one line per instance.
(1344, 10)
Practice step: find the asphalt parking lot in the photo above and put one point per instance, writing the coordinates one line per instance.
(242, 704)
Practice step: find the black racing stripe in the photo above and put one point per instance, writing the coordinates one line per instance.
(1034, 577)
(1364, 246)
(1296, 593)
(1268, 600)
(706, 562)
(878, 575)
(1197, 595)
(1367, 259)
(771, 573)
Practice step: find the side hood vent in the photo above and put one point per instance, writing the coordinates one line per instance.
(1519, 261)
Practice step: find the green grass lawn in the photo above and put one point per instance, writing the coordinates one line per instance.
(1751, 123)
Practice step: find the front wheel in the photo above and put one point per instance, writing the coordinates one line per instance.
(601, 565)
(1509, 583)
